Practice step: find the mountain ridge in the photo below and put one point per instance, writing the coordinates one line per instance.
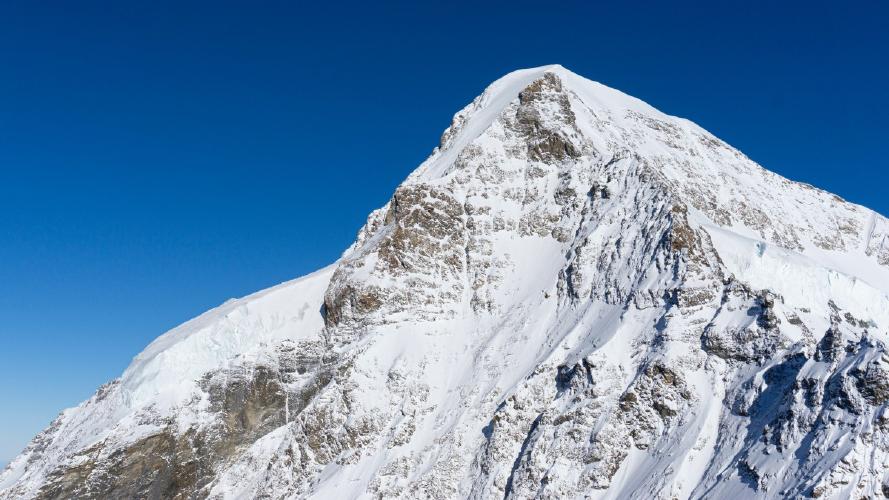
(572, 291)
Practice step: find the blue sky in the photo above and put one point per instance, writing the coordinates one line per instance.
(156, 160)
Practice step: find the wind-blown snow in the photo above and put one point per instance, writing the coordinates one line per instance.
(237, 329)
(809, 280)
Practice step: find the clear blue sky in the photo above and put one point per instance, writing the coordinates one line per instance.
(157, 160)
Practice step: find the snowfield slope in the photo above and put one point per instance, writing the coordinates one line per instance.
(575, 296)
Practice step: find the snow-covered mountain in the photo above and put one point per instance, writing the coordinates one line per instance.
(575, 296)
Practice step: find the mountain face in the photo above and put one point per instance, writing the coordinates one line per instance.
(574, 296)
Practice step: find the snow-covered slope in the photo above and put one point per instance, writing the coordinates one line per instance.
(576, 295)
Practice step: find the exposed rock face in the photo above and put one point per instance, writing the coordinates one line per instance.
(575, 296)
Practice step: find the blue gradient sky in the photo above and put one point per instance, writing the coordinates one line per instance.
(156, 160)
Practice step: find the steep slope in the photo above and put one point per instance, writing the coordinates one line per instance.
(574, 296)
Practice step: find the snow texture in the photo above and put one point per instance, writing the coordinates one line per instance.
(574, 296)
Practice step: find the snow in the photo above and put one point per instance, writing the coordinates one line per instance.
(165, 370)
(850, 280)
(457, 377)
(480, 116)
(164, 376)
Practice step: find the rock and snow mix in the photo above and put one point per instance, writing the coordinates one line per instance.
(575, 296)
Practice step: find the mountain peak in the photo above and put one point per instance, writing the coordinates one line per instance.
(575, 295)
(718, 182)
